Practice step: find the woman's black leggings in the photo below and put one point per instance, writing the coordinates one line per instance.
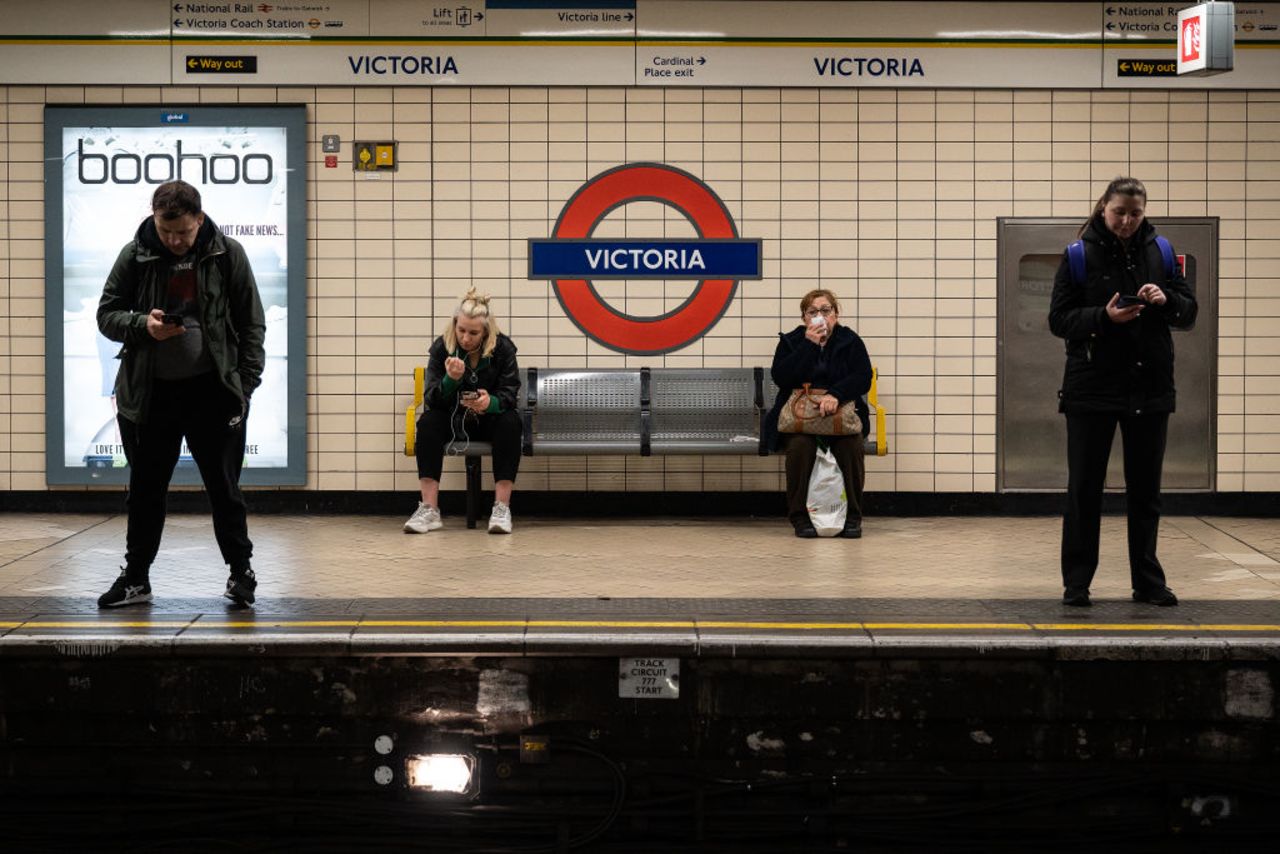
(437, 428)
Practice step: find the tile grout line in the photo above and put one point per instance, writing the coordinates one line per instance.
(1181, 526)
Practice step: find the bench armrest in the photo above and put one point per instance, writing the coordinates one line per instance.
(877, 440)
(411, 414)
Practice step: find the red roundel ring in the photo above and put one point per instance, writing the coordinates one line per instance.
(645, 182)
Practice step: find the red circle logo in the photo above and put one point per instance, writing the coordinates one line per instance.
(710, 219)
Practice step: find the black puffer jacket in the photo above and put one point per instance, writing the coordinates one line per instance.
(843, 368)
(1125, 367)
(497, 374)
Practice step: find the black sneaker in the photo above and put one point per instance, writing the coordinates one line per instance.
(1162, 597)
(126, 591)
(852, 530)
(1076, 598)
(240, 587)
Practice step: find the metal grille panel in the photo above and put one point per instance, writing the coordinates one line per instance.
(576, 407)
(699, 410)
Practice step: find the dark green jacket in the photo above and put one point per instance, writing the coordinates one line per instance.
(230, 314)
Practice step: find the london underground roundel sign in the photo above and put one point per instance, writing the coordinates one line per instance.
(571, 258)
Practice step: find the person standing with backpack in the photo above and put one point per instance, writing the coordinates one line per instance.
(1116, 295)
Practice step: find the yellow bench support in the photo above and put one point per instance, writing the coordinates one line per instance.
(411, 414)
(882, 443)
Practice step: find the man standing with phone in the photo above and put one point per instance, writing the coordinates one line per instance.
(183, 301)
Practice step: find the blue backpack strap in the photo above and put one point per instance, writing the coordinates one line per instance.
(1166, 255)
(1075, 258)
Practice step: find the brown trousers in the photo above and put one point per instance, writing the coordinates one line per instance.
(802, 451)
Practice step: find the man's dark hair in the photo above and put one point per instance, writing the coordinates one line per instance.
(175, 199)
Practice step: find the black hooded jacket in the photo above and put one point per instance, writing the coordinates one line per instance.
(1118, 367)
(843, 368)
(230, 313)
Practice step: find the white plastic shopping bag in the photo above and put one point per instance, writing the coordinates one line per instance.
(827, 503)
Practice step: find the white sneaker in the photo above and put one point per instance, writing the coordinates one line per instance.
(424, 519)
(500, 519)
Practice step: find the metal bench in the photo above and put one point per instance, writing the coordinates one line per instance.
(640, 411)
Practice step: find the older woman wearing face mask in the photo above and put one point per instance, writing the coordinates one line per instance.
(824, 354)
(472, 380)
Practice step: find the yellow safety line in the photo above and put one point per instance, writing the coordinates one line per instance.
(949, 626)
(444, 624)
(290, 624)
(611, 624)
(1239, 627)
(643, 624)
(731, 624)
(1150, 627)
(105, 624)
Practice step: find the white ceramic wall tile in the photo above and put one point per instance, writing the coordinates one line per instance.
(888, 197)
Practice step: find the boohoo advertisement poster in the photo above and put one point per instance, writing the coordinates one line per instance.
(102, 166)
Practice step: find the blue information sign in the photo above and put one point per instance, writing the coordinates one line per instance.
(551, 258)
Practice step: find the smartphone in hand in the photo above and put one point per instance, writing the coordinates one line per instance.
(470, 395)
(171, 319)
(1129, 300)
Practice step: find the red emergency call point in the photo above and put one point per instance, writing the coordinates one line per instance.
(331, 161)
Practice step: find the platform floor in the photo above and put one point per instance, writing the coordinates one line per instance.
(676, 584)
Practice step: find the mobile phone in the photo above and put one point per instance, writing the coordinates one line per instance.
(470, 395)
(1128, 300)
(171, 319)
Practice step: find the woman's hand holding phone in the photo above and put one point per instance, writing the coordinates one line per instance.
(1124, 309)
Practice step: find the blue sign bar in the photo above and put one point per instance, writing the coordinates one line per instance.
(551, 258)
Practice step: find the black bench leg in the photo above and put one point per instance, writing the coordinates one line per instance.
(473, 490)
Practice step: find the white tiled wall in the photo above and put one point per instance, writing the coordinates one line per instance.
(888, 197)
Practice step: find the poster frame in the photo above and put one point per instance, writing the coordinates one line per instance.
(293, 119)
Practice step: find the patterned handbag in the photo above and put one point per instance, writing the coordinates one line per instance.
(802, 414)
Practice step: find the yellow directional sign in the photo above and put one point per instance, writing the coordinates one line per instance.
(1146, 68)
(222, 65)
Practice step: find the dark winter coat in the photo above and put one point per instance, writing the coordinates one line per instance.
(231, 315)
(844, 370)
(1118, 367)
(497, 374)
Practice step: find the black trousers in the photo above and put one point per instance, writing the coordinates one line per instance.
(1089, 440)
(438, 427)
(802, 451)
(197, 409)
